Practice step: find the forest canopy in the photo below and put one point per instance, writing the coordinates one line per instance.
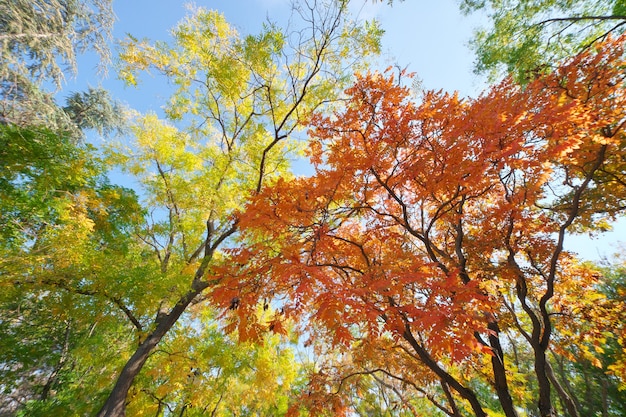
(419, 268)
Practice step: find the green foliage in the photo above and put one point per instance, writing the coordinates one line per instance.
(38, 168)
(619, 8)
(60, 219)
(595, 381)
(62, 224)
(528, 37)
(30, 106)
(95, 109)
(57, 344)
(43, 175)
(57, 210)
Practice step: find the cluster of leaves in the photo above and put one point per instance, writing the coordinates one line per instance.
(61, 220)
(527, 37)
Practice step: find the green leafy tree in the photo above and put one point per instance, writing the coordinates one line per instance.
(55, 202)
(58, 212)
(57, 209)
(527, 37)
(592, 371)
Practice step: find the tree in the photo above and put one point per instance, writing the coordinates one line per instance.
(42, 38)
(40, 42)
(527, 37)
(58, 213)
(440, 226)
(239, 101)
(55, 202)
(58, 210)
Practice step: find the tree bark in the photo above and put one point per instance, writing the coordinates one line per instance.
(499, 371)
(541, 372)
(452, 382)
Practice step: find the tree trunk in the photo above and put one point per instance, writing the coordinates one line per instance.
(541, 372)
(463, 391)
(605, 396)
(64, 353)
(499, 371)
(115, 405)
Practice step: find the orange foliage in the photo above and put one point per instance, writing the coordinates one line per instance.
(434, 221)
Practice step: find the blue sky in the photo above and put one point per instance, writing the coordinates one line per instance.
(430, 38)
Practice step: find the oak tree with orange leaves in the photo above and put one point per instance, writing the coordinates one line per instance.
(429, 244)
